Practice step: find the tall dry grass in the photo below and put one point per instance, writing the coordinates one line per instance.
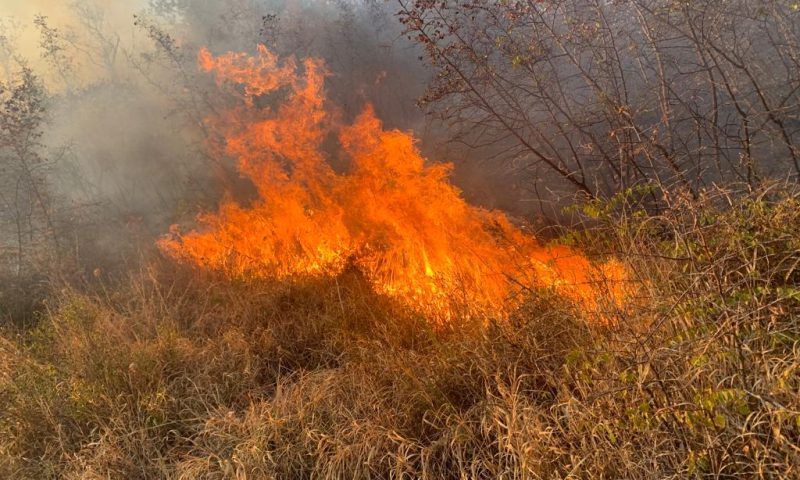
(172, 375)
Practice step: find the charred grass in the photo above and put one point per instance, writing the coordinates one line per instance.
(174, 375)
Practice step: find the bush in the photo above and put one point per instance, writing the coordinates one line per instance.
(182, 376)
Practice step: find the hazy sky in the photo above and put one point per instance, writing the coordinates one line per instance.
(60, 8)
(18, 15)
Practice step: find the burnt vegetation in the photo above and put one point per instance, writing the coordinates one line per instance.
(660, 133)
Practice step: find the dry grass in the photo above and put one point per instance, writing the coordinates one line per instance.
(173, 376)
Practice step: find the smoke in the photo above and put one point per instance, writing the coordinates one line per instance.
(69, 17)
(127, 103)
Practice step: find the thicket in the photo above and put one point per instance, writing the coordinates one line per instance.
(595, 97)
(177, 375)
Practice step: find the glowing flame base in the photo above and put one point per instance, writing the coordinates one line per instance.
(392, 216)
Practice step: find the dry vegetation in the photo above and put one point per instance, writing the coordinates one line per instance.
(112, 367)
(173, 376)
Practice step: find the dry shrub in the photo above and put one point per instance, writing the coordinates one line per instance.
(180, 376)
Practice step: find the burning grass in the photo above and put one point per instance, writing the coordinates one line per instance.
(178, 376)
(390, 214)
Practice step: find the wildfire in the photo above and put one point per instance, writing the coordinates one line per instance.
(390, 214)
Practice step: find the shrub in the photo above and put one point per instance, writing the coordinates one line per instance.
(183, 376)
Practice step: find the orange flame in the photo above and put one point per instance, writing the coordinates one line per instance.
(392, 216)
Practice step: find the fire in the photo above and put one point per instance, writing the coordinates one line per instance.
(391, 215)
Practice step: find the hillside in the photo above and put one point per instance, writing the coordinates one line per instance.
(171, 374)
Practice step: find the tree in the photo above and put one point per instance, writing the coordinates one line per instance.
(24, 195)
(603, 95)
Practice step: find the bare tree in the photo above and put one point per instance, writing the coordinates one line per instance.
(55, 49)
(102, 44)
(606, 95)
